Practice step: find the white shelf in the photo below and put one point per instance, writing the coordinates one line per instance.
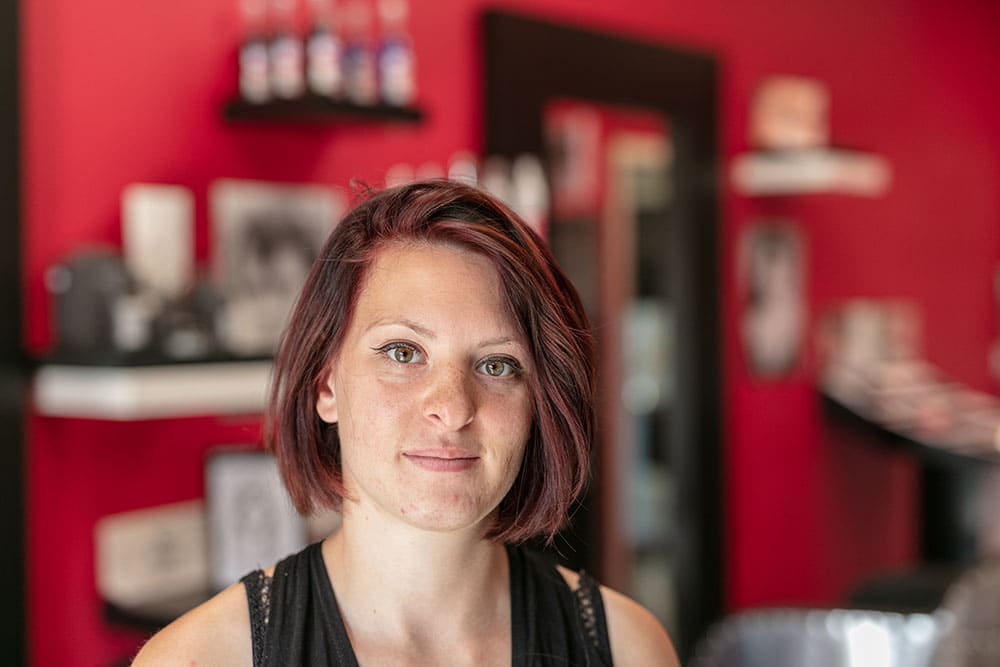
(814, 171)
(152, 392)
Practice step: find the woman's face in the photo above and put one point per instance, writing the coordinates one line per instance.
(430, 390)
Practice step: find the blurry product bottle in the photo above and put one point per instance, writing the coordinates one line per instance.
(529, 194)
(462, 167)
(400, 173)
(254, 75)
(99, 314)
(286, 52)
(495, 177)
(396, 61)
(428, 170)
(360, 85)
(324, 53)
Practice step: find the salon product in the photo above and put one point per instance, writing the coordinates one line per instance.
(253, 56)
(360, 85)
(396, 75)
(324, 53)
(286, 52)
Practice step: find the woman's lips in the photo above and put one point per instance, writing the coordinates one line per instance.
(442, 460)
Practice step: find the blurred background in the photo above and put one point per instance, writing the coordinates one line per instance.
(783, 219)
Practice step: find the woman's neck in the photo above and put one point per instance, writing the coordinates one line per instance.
(393, 578)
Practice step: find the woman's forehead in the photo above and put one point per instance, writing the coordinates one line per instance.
(432, 280)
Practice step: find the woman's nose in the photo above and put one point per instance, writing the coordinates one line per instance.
(449, 400)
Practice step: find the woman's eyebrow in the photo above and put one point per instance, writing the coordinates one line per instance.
(409, 324)
(500, 340)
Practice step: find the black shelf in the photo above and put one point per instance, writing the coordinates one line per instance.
(928, 452)
(316, 109)
(918, 590)
(950, 482)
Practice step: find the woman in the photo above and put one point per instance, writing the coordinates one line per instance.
(435, 383)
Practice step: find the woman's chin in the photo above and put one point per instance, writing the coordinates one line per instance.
(448, 518)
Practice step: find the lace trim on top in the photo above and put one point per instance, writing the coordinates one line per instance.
(585, 605)
(259, 598)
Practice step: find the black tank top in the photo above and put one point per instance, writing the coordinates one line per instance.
(294, 618)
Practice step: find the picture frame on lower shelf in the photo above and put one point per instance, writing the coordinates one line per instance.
(251, 521)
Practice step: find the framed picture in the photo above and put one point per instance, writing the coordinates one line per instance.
(251, 521)
(772, 274)
(265, 238)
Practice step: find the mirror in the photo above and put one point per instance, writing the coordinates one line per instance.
(610, 209)
(626, 131)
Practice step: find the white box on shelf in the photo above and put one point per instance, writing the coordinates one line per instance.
(158, 236)
(148, 555)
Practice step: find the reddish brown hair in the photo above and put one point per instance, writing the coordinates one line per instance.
(540, 299)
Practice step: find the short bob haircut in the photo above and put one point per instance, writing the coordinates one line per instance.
(540, 299)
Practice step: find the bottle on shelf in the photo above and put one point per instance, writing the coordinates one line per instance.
(360, 85)
(253, 57)
(396, 70)
(324, 53)
(286, 52)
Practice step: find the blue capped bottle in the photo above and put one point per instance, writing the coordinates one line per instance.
(360, 79)
(396, 61)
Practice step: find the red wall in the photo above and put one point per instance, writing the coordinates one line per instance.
(117, 92)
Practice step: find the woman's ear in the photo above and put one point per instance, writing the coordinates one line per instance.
(326, 399)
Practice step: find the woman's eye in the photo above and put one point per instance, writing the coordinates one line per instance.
(500, 367)
(401, 353)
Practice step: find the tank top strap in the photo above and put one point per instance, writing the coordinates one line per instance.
(590, 604)
(258, 589)
(294, 618)
(550, 622)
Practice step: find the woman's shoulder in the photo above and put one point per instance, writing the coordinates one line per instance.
(634, 633)
(636, 636)
(216, 632)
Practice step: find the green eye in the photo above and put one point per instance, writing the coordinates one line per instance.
(401, 353)
(500, 367)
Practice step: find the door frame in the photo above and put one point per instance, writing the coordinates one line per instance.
(528, 63)
(13, 373)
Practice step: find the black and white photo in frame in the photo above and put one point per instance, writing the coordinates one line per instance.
(265, 237)
(773, 300)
